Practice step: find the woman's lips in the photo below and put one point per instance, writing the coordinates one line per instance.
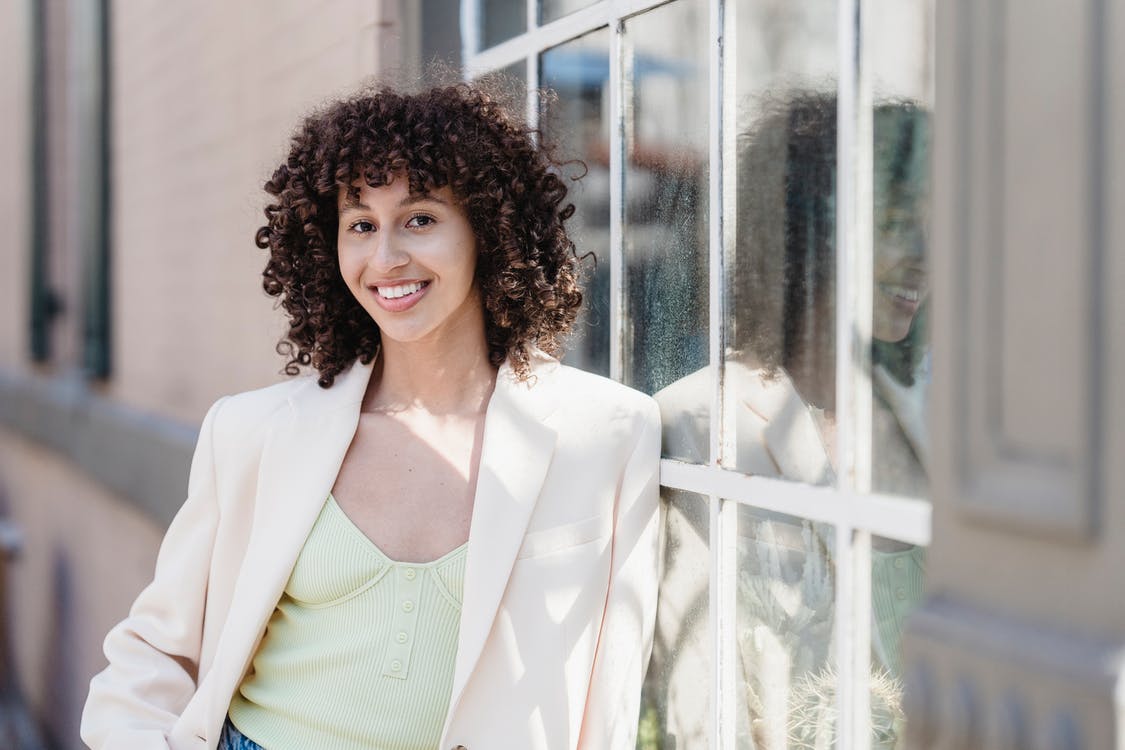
(399, 297)
(906, 298)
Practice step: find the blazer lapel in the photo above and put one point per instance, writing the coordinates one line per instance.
(300, 461)
(790, 434)
(515, 456)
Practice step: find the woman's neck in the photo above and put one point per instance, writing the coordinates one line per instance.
(446, 380)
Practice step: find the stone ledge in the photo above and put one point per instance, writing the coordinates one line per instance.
(979, 679)
(144, 459)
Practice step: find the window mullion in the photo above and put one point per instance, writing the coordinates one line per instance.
(853, 368)
(531, 70)
(621, 101)
(470, 33)
(534, 102)
(720, 228)
(722, 601)
(724, 532)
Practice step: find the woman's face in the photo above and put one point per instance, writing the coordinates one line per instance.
(901, 284)
(410, 261)
(901, 219)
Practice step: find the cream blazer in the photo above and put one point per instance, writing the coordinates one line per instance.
(560, 581)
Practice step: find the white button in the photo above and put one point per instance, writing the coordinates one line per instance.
(396, 666)
(401, 637)
(410, 574)
(900, 593)
(900, 563)
(408, 606)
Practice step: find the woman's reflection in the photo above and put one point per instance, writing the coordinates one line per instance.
(780, 381)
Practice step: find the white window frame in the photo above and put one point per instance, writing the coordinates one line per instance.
(854, 511)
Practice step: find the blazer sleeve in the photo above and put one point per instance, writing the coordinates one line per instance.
(625, 640)
(154, 652)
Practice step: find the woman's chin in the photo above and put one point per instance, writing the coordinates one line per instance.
(891, 331)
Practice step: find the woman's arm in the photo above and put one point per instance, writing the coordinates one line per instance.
(154, 653)
(625, 639)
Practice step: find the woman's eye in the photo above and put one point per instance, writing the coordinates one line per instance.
(362, 227)
(421, 220)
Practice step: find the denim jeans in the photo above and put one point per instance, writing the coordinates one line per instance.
(232, 739)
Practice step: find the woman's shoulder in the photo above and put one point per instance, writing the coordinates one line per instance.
(605, 394)
(247, 410)
(595, 416)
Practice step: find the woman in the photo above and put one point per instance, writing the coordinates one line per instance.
(444, 538)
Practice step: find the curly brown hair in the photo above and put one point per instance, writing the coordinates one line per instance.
(784, 282)
(458, 136)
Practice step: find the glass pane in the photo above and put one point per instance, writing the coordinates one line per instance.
(784, 622)
(501, 20)
(676, 700)
(554, 9)
(902, 69)
(577, 122)
(666, 205)
(780, 359)
(897, 573)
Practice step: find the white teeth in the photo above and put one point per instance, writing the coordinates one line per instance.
(910, 295)
(394, 292)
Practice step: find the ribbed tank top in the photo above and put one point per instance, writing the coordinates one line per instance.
(359, 652)
(897, 586)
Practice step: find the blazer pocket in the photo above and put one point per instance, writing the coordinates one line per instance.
(557, 538)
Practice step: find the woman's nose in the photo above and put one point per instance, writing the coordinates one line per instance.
(387, 254)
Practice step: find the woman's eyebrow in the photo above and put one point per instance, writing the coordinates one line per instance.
(420, 198)
(353, 202)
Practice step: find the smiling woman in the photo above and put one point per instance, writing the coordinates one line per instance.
(453, 144)
(443, 537)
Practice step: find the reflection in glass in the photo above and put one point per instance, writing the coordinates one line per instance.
(676, 700)
(783, 353)
(501, 20)
(577, 120)
(900, 347)
(780, 301)
(666, 208)
(784, 621)
(902, 72)
(781, 372)
(554, 9)
(897, 576)
(780, 367)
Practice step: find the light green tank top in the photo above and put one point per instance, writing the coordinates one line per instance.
(359, 652)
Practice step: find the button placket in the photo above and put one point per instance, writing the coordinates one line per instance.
(408, 588)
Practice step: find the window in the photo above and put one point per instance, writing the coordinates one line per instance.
(759, 208)
(44, 301)
(70, 185)
(96, 210)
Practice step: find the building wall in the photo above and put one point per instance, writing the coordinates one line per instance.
(1034, 198)
(1019, 643)
(15, 85)
(203, 99)
(85, 556)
